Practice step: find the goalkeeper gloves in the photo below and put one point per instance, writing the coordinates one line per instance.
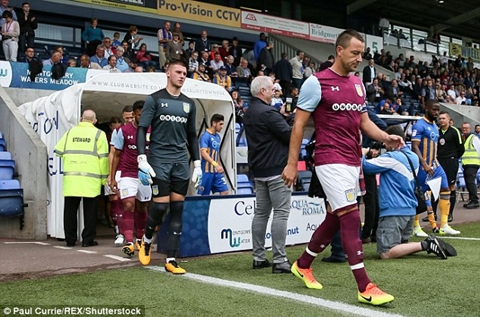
(197, 174)
(145, 171)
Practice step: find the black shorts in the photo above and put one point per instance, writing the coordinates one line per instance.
(450, 166)
(171, 177)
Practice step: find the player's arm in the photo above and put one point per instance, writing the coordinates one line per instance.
(111, 151)
(308, 100)
(371, 130)
(193, 147)
(117, 152)
(148, 112)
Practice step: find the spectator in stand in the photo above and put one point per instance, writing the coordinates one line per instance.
(259, 45)
(72, 62)
(404, 83)
(92, 36)
(132, 39)
(203, 43)
(176, 29)
(239, 110)
(201, 74)
(193, 63)
(475, 97)
(116, 40)
(191, 48)
(309, 70)
(244, 71)
(215, 50)
(376, 92)
(35, 66)
(477, 130)
(216, 63)
(444, 59)
(328, 63)
(85, 62)
(385, 109)
(144, 58)
(224, 50)
(55, 58)
(428, 92)
(283, 72)
(367, 55)
(369, 72)
(164, 36)
(127, 52)
(394, 90)
(235, 51)
(266, 61)
(461, 100)
(252, 62)
(222, 79)
(277, 101)
(174, 48)
(5, 7)
(10, 33)
(122, 62)
(205, 61)
(28, 25)
(231, 69)
(297, 69)
(112, 65)
(400, 108)
(99, 57)
(410, 63)
(440, 93)
(107, 45)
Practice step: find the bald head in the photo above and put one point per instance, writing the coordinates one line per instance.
(89, 116)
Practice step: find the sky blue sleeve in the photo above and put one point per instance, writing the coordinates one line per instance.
(310, 94)
(417, 131)
(119, 141)
(203, 142)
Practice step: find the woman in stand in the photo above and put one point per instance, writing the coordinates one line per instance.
(10, 33)
(92, 36)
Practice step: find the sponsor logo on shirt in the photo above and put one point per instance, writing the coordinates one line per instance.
(172, 118)
(347, 106)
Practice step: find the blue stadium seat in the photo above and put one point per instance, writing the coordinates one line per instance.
(237, 127)
(244, 191)
(242, 178)
(461, 181)
(242, 141)
(9, 184)
(3, 146)
(244, 184)
(7, 167)
(305, 175)
(11, 203)
(1, 135)
(5, 155)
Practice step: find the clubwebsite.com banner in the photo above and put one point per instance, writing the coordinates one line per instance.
(216, 225)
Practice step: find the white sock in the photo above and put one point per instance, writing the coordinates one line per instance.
(146, 240)
(169, 259)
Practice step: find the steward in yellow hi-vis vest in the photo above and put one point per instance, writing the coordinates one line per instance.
(84, 150)
(470, 165)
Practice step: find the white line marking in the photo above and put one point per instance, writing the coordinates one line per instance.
(87, 251)
(346, 308)
(63, 248)
(116, 257)
(27, 242)
(458, 238)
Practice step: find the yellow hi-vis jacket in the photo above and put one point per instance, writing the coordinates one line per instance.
(470, 157)
(84, 150)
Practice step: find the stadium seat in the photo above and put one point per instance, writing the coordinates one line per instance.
(242, 178)
(4, 155)
(3, 146)
(9, 184)
(244, 191)
(305, 176)
(242, 141)
(1, 135)
(7, 167)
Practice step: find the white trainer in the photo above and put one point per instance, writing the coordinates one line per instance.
(446, 229)
(418, 232)
(119, 240)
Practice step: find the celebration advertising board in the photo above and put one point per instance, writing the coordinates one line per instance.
(281, 26)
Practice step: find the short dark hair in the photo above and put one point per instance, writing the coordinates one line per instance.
(217, 118)
(25, 3)
(115, 120)
(429, 103)
(396, 130)
(138, 105)
(183, 60)
(346, 36)
(127, 109)
(7, 14)
(444, 112)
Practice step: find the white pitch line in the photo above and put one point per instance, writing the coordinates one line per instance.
(116, 257)
(87, 251)
(459, 238)
(61, 247)
(27, 242)
(346, 308)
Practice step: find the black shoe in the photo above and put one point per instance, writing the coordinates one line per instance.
(284, 267)
(434, 246)
(331, 259)
(70, 244)
(450, 218)
(89, 244)
(472, 205)
(374, 239)
(447, 248)
(260, 264)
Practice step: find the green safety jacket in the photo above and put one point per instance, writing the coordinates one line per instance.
(84, 150)
(470, 157)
